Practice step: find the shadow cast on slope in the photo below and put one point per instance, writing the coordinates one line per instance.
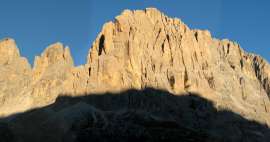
(132, 115)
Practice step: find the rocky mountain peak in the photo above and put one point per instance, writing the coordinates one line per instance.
(8, 50)
(143, 49)
(146, 48)
(154, 62)
(56, 55)
(53, 54)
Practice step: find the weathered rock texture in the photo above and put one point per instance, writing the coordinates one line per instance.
(148, 49)
(142, 48)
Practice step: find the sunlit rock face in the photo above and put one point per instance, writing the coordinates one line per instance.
(145, 48)
(139, 49)
(15, 75)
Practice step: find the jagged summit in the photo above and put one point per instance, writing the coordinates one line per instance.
(54, 54)
(140, 49)
(8, 50)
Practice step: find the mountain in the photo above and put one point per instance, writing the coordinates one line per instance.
(138, 50)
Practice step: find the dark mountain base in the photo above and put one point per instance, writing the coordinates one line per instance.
(147, 115)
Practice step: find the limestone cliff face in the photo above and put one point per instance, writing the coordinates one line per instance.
(27, 88)
(14, 76)
(50, 70)
(145, 48)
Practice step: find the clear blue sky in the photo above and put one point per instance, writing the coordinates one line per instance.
(35, 24)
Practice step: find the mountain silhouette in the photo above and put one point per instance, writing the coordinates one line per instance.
(131, 115)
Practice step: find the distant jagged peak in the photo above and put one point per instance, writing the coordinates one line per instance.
(10, 55)
(8, 50)
(8, 43)
(54, 53)
(55, 59)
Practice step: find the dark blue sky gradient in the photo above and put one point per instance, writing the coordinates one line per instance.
(35, 24)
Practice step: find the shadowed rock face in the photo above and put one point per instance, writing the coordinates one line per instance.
(132, 115)
(140, 49)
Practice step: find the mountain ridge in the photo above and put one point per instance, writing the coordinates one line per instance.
(139, 49)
